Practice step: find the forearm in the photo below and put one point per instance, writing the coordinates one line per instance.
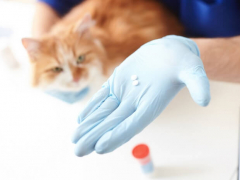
(43, 20)
(221, 58)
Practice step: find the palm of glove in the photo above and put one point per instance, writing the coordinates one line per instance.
(120, 110)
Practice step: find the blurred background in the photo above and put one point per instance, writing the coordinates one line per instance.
(186, 142)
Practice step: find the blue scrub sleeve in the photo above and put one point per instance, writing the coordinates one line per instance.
(61, 6)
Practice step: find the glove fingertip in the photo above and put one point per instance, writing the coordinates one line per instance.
(198, 85)
(79, 153)
(102, 146)
(81, 150)
(202, 96)
(100, 150)
(74, 138)
(203, 101)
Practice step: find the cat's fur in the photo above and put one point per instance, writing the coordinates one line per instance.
(105, 31)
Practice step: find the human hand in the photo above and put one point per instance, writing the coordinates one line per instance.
(120, 110)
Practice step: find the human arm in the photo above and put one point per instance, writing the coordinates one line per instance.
(44, 18)
(48, 12)
(221, 58)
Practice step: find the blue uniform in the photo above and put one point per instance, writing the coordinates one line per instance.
(201, 18)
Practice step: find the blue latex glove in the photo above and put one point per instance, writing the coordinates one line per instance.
(69, 97)
(121, 110)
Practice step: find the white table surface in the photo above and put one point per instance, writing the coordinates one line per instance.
(187, 142)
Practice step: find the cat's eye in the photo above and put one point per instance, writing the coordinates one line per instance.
(80, 59)
(57, 69)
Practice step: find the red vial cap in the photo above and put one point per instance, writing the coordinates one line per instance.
(140, 151)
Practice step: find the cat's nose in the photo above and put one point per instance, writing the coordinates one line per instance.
(76, 79)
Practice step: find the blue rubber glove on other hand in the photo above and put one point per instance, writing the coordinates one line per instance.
(120, 110)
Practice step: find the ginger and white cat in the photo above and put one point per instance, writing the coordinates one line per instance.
(93, 38)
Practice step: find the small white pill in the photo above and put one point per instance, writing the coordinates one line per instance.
(135, 83)
(134, 77)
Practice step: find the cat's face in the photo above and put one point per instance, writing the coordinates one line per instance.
(67, 63)
(64, 64)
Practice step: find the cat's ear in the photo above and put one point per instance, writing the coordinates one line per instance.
(31, 45)
(84, 25)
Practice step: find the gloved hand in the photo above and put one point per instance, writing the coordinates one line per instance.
(120, 110)
(69, 97)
